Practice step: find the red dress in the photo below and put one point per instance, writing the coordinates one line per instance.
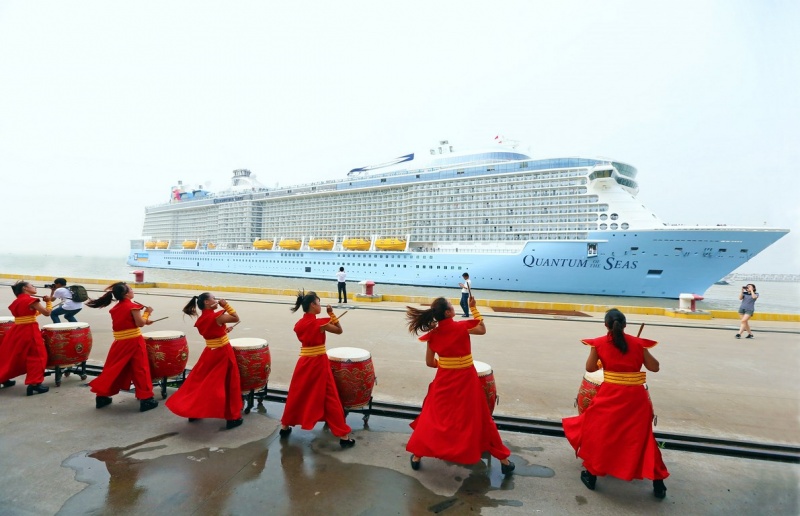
(455, 423)
(23, 348)
(127, 359)
(313, 396)
(614, 435)
(212, 389)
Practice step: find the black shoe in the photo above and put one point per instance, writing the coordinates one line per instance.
(415, 464)
(588, 479)
(148, 404)
(738, 336)
(102, 401)
(347, 443)
(284, 432)
(193, 419)
(233, 423)
(507, 469)
(37, 388)
(9, 383)
(750, 336)
(659, 489)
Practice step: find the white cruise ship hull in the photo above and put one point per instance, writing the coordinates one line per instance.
(651, 263)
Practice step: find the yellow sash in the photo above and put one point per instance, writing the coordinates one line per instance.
(455, 362)
(638, 378)
(28, 319)
(217, 343)
(312, 352)
(127, 334)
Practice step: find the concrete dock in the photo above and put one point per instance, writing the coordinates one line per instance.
(62, 456)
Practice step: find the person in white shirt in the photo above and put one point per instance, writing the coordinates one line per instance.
(465, 293)
(341, 285)
(68, 308)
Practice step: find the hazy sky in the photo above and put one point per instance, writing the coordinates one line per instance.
(105, 105)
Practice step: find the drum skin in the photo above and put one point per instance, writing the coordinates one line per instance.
(354, 377)
(168, 353)
(67, 343)
(254, 361)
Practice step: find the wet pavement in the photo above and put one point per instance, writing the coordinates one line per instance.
(59, 455)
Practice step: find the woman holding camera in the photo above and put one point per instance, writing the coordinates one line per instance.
(313, 396)
(127, 359)
(748, 297)
(213, 389)
(23, 348)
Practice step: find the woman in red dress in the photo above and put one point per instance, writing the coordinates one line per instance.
(313, 396)
(212, 389)
(455, 423)
(614, 435)
(127, 359)
(23, 348)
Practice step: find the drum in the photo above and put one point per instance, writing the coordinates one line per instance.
(354, 376)
(254, 361)
(486, 376)
(67, 343)
(588, 389)
(5, 324)
(167, 352)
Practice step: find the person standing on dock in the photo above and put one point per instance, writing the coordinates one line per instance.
(313, 396)
(127, 359)
(466, 291)
(341, 285)
(614, 435)
(455, 423)
(23, 349)
(748, 297)
(213, 389)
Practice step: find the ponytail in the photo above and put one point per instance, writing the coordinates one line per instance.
(304, 300)
(191, 307)
(615, 322)
(17, 287)
(426, 320)
(116, 291)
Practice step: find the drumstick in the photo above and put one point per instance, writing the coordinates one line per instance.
(156, 320)
(339, 317)
(233, 325)
(640, 330)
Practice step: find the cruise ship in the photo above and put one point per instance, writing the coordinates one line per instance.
(568, 225)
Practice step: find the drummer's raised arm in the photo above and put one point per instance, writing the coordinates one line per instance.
(591, 362)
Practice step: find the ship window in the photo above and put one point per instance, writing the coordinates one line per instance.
(625, 225)
(603, 216)
(383, 180)
(654, 273)
(723, 250)
(679, 249)
(742, 250)
(634, 248)
(603, 226)
(308, 269)
(614, 226)
(614, 216)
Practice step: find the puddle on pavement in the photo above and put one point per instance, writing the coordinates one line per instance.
(271, 476)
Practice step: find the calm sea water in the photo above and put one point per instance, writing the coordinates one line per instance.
(776, 297)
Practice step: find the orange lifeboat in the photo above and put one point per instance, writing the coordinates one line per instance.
(391, 244)
(289, 243)
(150, 245)
(162, 244)
(262, 244)
(189, 244)
(324, 244)
(356, 244)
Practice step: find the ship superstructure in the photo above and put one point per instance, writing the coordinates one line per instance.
(570, 225)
